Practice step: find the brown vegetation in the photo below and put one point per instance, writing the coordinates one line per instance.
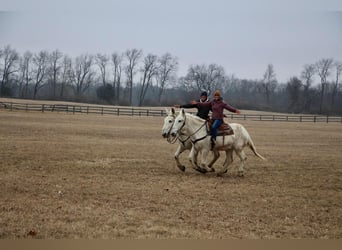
(89, 176)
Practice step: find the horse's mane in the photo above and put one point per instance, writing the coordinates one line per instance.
(197, 118)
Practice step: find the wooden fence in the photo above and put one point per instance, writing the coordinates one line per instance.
(136, 111)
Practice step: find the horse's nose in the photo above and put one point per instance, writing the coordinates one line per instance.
(173, 134)
(164, 135)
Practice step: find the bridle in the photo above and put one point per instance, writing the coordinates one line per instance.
(189, 137)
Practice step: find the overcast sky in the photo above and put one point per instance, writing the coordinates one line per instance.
(242, 36)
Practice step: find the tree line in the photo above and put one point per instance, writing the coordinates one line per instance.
(135, 79)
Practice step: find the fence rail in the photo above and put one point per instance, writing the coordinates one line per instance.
(134, 111)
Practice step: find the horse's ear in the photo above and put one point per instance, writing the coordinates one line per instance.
(167, 111)
(182, 111)
(173, 111)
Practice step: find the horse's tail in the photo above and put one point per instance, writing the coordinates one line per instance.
(252, 147)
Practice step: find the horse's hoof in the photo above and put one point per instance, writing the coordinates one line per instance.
(201, 170)
(181, 168)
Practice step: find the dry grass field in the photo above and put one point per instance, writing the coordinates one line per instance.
(109, 177)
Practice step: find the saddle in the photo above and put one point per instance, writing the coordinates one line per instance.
(224, 129)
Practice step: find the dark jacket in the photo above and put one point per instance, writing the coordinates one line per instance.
(217, 108)
(202, 111)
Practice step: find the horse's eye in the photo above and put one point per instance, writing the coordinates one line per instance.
(170, 121)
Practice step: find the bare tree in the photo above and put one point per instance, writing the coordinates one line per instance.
(8, 66)
(40, 64)
(293, 89)
(67, 74)
(336, 83)
(117, 69)
(269, 83)
(132, 56)
(307, 76)
(24, 78)
(167, 67)
(54, 70)
(102, 61)
(323, 67)
(82, 74)
(206, 77)
(148, 70)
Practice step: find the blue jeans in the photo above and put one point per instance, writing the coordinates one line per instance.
(214, 128)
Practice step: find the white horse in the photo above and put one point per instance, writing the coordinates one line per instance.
(183, 140)
(198, 131)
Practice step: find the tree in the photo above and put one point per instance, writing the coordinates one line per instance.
(117, 62)
(205, 77)
(82, 74)
(101, 61)
(40, 65)
(105, 92)
(149, 70)
(167, 67)
(269, 83)
(307, 76)
(25, 78)
(132, 56)
(336, 84)
(54, 70)
(293, 89)
(7, 67)
(323, 67)
(67, 74)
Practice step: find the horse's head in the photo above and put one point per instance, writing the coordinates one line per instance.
(178, 123)
(168, 122)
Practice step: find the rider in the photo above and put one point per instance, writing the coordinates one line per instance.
(217, 106)
(202, 111)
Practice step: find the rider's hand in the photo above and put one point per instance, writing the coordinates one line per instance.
(177, 106)
(193, 102)
(238, 112)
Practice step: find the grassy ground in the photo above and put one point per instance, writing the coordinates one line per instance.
(89, 176)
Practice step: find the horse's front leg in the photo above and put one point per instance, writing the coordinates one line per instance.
(179, 150)
(193, 159)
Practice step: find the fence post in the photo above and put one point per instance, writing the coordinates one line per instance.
(314, 118)
(11, 106)
(43, 107)
(327, 118)
(73, 109)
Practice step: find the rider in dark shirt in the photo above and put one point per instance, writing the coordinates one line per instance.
(202, 111)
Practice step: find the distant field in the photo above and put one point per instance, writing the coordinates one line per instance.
(93, 176)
